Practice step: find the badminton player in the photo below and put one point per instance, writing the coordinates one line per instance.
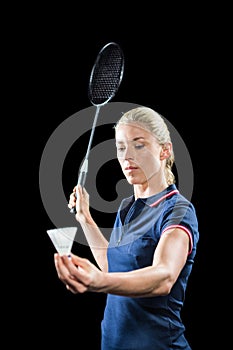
(145, 266)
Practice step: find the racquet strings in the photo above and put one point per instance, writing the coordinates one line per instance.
(106, 74)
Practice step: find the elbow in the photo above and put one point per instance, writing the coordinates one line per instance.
(165, 289)
(165, 286)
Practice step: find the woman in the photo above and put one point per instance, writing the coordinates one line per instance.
(144, 268)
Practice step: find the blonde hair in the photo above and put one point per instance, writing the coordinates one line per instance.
(153, 122)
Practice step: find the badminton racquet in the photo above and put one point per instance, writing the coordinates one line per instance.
(105, 79)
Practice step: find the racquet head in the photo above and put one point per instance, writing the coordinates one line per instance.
(106, 74)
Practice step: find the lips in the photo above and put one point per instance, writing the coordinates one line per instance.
(131, 168)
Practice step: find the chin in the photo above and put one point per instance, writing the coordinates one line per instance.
(133, 181)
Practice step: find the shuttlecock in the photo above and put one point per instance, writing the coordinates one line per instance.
(63, 239)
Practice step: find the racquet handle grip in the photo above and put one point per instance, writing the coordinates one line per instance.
(82, 178)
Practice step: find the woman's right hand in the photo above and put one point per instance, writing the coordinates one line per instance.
(72, 201)
(79, 199)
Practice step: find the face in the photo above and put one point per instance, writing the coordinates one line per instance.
(138, 153)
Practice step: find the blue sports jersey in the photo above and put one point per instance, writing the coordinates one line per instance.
(152, 323)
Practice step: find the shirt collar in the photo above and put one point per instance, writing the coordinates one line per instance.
(159, 197)
(154, 200)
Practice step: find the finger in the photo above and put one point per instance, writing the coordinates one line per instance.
(76, 267)
(62, 269)
(72, 200)
(72, 196)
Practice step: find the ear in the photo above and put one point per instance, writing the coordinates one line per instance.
(166, 151)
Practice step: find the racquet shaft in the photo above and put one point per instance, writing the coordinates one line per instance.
(92, 132)
(84, 167)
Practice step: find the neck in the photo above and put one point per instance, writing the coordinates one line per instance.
(149, 189)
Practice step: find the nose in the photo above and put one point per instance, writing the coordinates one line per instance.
(128, 153)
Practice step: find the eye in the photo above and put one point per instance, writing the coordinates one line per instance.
(120, 149)
(139, 146)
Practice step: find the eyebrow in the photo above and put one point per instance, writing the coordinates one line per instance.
(135, 139)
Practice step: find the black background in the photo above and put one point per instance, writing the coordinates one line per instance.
(169, 67)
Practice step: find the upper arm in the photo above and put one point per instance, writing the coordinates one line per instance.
(172, 251)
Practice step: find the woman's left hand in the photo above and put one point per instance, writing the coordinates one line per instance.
(78, 274)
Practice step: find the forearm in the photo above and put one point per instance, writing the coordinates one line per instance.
(97, 243)
(81, 276)
(146, 282)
